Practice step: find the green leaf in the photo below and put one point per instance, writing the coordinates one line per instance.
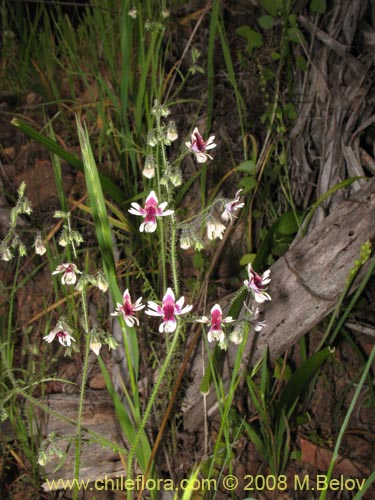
(300, 379)
(104, 236)
(271, 6)
(318, 6)
(247, 259)
(290, 111)
(286, 225)
(301, 62)
(247, 166)
(266, 22)
(248, 184)
(295, 35)
(253, 38)
(198, 260)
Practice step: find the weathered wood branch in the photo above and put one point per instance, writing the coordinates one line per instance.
(96, 461)
(306, 285)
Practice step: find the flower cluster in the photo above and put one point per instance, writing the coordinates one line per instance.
(12, 240)
(170, 309)
(214, 228)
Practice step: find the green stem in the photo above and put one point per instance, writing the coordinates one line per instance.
(161, 224)
(82, 394)
(150, 404)
(173, 250)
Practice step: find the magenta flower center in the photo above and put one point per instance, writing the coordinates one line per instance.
(150, 212)
(258, 281)
(61, 335)
(168, 310)
(127, 308)
(216, 320)
(199, 143)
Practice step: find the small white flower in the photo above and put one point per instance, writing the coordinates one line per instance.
(199, 147)
(169, 309)
(231, 206)
(185, 241)
(133, 13)
(150, 212)
(95, 346)
(62, 333)
(5, 253)
(257, 284)
(215, 230)
(69, 273)
(149, 168)
(101, 282)
(40, 249)
(216, 330)
(127, 309)
(237, 334)
(172, 133)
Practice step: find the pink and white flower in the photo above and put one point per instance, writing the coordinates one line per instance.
(199, 147)
(69, 273)
(127, 309)
(257, 284)
(168, 311)
(150, 212)
(216, 329)
(62, 333)
(231, 206)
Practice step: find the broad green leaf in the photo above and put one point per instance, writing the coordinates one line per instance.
(290, 111)
(248, 184)
(254, 39)
(247, 259)
(266, 22)
(318, 6)
(271, 6)
(300, 379)
(301, 62)
(247, 166)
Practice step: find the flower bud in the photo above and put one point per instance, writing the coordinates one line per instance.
(175, 177)
(238, 333)
(64, 237)
(172, 133)
(22, 249)
(149, 167)
(185, 241)
(152, 139)
(5, 253)
(101, 282)
(40, 249)
(95, 346)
